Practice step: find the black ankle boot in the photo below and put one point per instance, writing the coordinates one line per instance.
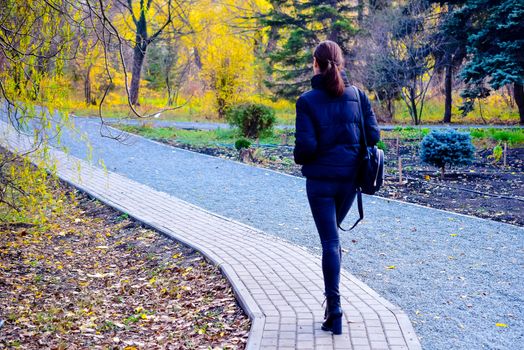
(333, 315)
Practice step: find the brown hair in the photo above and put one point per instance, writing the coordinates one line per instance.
(330, 61)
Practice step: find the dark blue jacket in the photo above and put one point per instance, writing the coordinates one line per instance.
(328, 132)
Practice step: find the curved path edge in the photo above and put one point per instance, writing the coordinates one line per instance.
(279, 285)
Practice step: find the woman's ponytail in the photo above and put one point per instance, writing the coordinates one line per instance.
(333, 79)
(330, 61)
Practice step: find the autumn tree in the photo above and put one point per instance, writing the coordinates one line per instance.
(142, 13)
(410, 58)
(374, 71)
(397, 56)
(119, 25)
(88, 64)
(225, 41)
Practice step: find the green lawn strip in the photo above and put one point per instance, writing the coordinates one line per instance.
(217, 137)
(485, 138)
(514, 137)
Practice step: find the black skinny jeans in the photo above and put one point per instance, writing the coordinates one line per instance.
(330, 201)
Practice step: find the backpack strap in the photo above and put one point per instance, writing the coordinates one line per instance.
(360, 212)
(359, 192)
(362, 125)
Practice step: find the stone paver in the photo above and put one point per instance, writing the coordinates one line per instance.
(278, 284)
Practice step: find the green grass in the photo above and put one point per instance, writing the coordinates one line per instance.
(225, 137)
(514, 137)
(228, 137)
(407, 132)
(203, 137)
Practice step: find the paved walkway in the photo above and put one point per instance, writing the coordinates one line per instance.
(278, 284)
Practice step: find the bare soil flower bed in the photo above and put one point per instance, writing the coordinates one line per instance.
(484, 189)
(99, 280)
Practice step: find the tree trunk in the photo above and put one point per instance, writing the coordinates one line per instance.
(198, 60)
(448, 89)
(17, 80)
(87, 86)
(377, 5)
(518, 94)
(390, 107)
(272, 40)
(360, 12)
(169, 91)
(412, 100)
(334, 33)
(139, 54)
(273, 36)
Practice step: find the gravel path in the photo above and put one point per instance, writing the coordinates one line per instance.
(455, 276)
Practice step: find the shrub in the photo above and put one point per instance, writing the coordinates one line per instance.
(497, 153)
(381, 145)
(441, 148)
(242, 143)
(254, 120)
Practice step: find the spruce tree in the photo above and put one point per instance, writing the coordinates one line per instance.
(297, 27)
(495, 46)
(447, 147)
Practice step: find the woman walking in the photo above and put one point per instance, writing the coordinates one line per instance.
(328, 146)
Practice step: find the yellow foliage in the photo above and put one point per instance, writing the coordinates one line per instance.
(227, 56)
(30, 193)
